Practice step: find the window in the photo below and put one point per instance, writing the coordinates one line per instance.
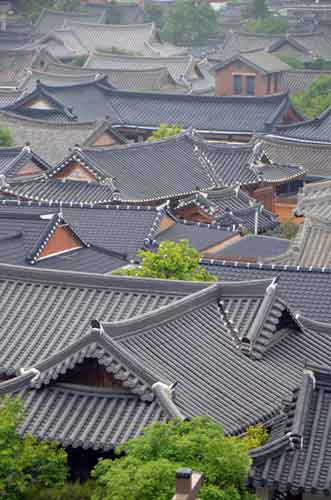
(250, 85)
(237, 87)
(276, 83)
(269, 79)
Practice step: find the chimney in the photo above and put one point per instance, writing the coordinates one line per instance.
(188, 484)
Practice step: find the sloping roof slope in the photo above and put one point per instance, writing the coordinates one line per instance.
(318, 129)
(51, 20)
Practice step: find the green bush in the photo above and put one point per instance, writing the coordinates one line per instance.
(270, 24)
(68, 491)
(316, 99)
(6, 139)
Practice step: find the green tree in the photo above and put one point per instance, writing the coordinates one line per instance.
(172, 261)
(292, 61)
(26, 463)
(147, 471)
(259, 9)
(316, 99)
(32, 8)
(164, 131)
(270, 24)
(154, 13)
(190, 22)
(6, 139)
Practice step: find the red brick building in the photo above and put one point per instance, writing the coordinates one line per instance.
(254, 74)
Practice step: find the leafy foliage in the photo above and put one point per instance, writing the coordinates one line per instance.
(26, 463)
(287, 230)
(79, 60)
(148, 469)
(172, 261)
(259, 9)
(190, 22)
(269, 24)
(256, 436)
(316, 99)
(164, 131)
(67, 491)
(32, 8)
(6, 139)
(292, 61)
(118, 51)
(154, 14)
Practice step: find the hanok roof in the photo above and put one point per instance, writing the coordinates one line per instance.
(178, 66)
(296, 81)
(14, 65)
(235, 114)
(296, 457)
(253, 249)
(312, 244)
(261, 60)
(108, 237)
(137, 38)
(54, 80)
(305, 289)
(198, 340)
(63, 45)
(317, 129)
(51, 20)
(150, 170)
(312, 156)
(242, 164)
(50, 140)
(311, 45)
(230, 207)
(14, 160)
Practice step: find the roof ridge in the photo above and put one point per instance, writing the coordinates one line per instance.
(271, 267)
(151, 319)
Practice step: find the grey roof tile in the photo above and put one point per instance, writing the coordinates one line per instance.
(253, 247)
(49, 140)
(51, 20)
(238, 114)
(296, 458)
(317, 129)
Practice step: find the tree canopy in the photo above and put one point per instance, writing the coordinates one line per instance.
(26, 463)
(268, 24)
(190, 22)
(259, 9)
(316, 99)
(164, 131)
(172, 261)
(6, 139)
(147, 471)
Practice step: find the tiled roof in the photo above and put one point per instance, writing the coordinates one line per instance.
(49, 140)
(138, 38)
(62, 44)
(241, 164)
(296, 457)
(296, 81)
(150, 170)
(312, 244)
(145, 79)
(57, 191)
(317, 129)
(253, 247)
(51, 20)
(13, 159)
(14, 64)
(54, 80)
(310, 44)
(178, 67)
(75, 300)
(261, 59)
(200, 236)
(305, 289)
(312, 156)
(239, 114)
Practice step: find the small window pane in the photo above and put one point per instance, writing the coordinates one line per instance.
(250, 84)
(237, 84)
